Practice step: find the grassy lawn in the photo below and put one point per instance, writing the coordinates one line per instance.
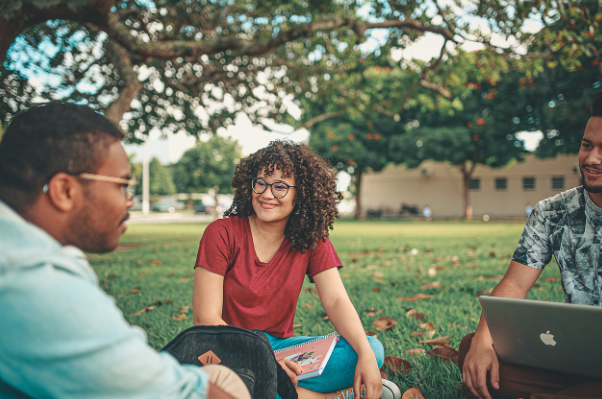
(384, 263)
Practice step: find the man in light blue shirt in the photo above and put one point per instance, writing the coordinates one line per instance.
(64, 179)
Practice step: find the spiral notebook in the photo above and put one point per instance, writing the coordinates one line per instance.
(312, 355)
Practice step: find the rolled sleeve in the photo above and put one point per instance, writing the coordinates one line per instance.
(534, 248)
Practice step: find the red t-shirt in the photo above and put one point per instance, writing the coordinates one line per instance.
(257, 294)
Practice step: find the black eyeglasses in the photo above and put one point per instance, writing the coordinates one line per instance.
(279, 189)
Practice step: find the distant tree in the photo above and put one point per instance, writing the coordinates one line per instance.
(354, 148)
(475, 128)
(160, 180)
(208, 165)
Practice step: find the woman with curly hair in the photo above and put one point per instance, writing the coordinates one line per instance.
(251, 265)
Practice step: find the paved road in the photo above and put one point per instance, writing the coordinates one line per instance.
(138, 218)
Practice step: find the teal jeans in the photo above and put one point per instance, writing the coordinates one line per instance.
(340, 369)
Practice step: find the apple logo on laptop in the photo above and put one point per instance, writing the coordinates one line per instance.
(547, 338)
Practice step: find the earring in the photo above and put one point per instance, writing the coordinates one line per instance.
(45, 188)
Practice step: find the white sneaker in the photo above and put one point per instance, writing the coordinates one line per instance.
(390, 391)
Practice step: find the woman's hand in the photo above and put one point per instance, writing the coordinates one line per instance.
(291, 368)
(367, 373)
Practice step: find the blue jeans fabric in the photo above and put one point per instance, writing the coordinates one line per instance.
(340, 369)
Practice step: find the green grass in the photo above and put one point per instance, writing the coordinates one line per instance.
(379, 268)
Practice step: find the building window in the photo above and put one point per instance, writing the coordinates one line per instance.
(528, 183)
(501, 183)
(557, 182)
(474, 184)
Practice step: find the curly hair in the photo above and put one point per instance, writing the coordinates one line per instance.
(316, 194)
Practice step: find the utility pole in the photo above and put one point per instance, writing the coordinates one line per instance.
(145, 181)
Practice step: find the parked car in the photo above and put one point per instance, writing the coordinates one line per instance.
(163, 208)
(202, 208)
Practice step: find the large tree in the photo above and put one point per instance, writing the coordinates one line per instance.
(208, 165)
(194, 64)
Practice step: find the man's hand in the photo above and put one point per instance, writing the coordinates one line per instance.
(291, 368)
(480, 359)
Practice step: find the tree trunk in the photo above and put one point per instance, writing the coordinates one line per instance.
(467, 172)
(190, 204)
(358, 192)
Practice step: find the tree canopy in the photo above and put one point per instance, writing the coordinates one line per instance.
(194, 64)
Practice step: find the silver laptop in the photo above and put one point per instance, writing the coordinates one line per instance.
(547, 335)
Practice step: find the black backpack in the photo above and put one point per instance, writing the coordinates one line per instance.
(247, 352)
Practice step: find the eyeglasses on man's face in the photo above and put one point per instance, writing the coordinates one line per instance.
(129, 185)
(279, 189)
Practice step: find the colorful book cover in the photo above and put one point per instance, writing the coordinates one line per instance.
(312, 355)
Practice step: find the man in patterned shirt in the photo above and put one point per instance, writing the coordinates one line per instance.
(569, 226)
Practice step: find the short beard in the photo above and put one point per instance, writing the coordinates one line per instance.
(589, 188)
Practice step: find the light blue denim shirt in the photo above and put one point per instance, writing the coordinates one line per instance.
(569, 226)
(61, 336)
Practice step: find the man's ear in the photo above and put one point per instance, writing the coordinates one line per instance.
(64, 191)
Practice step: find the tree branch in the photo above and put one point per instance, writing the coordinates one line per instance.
(120, 58)
(320, 118)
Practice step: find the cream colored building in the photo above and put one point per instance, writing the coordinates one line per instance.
(502, 192)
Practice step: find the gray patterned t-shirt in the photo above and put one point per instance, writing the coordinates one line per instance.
(568, 225)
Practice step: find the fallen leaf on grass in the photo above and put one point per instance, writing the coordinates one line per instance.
(326, 318)
(416, 315)
(417, 297)
(428, 326)
(420, 333)
(180, 317)
(135, 290)
(296, 325)
(377, 274)
(397, 365)
(183, 309)
(344, 275)
(432, 284)
(551, 279)
(167, 301)
(185, 278)
(384, 323)
(371, 333)
(442, 267)
(377, 289)
(146, 309)
(412, 393)
(372, 312)
(156, 262)
(139, 261)
(310, 289)
(170, 274)
(308, 305)
(444, 353)
(485, 291)
(104, 282)
(439, 341)
(415, 352)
